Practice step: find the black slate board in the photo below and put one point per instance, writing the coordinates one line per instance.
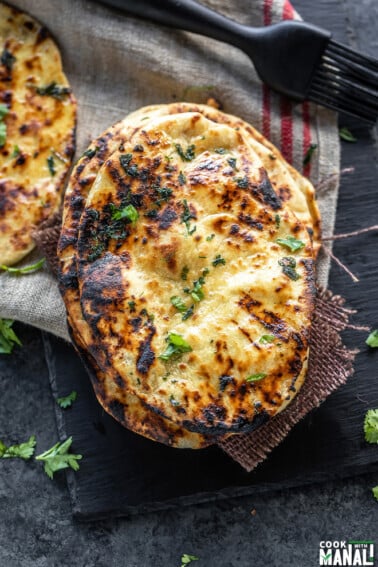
(122, 473)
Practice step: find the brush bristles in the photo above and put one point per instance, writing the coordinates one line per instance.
(346, 81)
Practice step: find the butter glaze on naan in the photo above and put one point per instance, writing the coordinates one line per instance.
(213, 388)
(40, 131)
(110, 392)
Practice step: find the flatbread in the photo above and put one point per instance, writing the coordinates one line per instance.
(293, 188)
(214, 214)
(125, 407)
(40, 130)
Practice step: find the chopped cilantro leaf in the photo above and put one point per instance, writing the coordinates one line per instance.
(131, 170)
(145, 313)
(288, 265)
(177, 345)
(372, 340)
(375, 492)
(128, 213)
(7, 59)
(218, 260)
(22, 451)
(290, 242)
(210, 237)
(91, 152)
(221, 151)
(266, 339)
(242, 182)
(232, 162)
(125, 160)
(164, 195)
(26, 269)
(178, 303)
(309, 153)
(66, 401)
(181, 178)
(186, 559)
(277, 220)
(371, 426)
(255, 377)
(8, 337)
(188, 313)
(346, 135)
(3, 110)
(186, 216)
(3, 134)
(16, 151)
(54, 90)
(58, 458)
(187, 155)
(173, 400)
(51, 165)
(131, 306)
(197, 293)
(184, 273)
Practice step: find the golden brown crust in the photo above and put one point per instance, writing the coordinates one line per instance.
(114, 398)
(40, 131)
(289, 184)
(249, 293)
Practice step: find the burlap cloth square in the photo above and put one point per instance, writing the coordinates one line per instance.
(116, 64)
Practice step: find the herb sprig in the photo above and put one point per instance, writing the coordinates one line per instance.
(58, 458)
(67, 401)
(371, 426)
(372, 340)
(186, 559)
(346, 135)
(8, 338)
(22, 451)
(290, 242)
(128, 213)
(371, 435)
(177, 346)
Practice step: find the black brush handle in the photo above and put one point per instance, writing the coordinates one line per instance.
(189, 16)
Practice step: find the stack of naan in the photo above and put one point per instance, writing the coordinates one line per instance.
(187, 269)
(37, 131)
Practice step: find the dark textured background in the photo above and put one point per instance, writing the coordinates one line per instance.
(36, 527)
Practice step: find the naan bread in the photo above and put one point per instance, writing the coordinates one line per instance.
(292, 187)
(202, 228)
(114, 398)
(40, 130)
